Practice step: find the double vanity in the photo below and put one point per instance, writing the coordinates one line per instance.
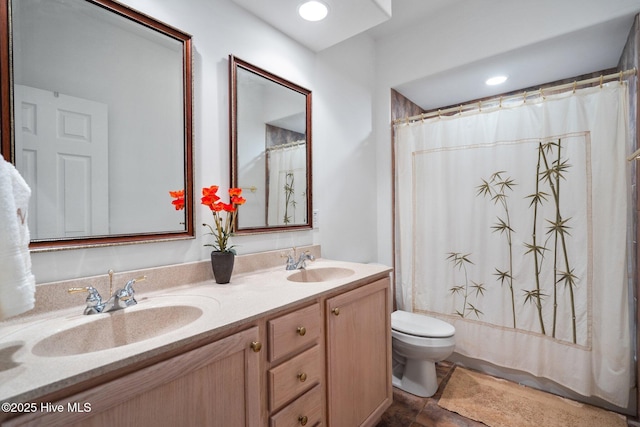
(272, 348)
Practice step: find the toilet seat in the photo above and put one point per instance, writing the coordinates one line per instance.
(420, 325)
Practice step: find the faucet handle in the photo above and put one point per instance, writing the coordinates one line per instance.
(93, 292)
(136, 280)
(93, 299)
(110, 273)
(307, 255)
(128, 290)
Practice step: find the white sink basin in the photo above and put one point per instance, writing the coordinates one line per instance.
(116, 329)
(320, 274)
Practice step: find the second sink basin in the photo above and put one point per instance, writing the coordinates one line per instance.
(320, 274)
(116, 329)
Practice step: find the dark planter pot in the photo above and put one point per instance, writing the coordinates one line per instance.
(222, 264)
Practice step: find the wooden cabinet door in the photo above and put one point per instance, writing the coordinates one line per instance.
(215, 385)
(359, 355)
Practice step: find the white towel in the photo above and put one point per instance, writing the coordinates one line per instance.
(17, 283)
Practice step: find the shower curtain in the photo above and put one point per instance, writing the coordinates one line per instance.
(286, 169)
(512, 224)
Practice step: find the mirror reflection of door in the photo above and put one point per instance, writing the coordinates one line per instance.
(61, 147)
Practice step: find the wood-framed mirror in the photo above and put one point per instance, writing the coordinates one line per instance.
(270, 136)
(97, 117)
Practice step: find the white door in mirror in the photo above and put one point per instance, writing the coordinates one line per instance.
(65, 140)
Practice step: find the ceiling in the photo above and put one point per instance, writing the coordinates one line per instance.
(583, 48)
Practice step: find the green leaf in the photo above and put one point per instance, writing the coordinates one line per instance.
(458, 259)
(457, 290)
(534, 296)
(507, 183)
(501, 226)
(537, 198)
(535, 248)
(502, 276)
(559, 226)
(484, 189)
(479, 288)
(567, 277)
(474, 310)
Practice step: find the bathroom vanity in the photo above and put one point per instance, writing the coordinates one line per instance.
(273, 347)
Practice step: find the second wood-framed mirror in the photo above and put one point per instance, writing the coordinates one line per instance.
(270, 135)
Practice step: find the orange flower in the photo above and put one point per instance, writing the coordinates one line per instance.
(223, 227)
(228, 207)
(209, 200)
(237, 200)
(210, 191)
(178, 197)
(178, 204)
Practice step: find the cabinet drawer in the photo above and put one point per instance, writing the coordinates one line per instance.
(304, 411)
(294, 331)
(293, 377)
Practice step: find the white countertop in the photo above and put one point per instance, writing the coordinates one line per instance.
(25, 376)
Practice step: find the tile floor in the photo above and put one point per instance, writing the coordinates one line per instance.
(408, 410)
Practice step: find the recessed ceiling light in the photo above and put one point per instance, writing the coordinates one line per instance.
(496, 80)
(313, 10)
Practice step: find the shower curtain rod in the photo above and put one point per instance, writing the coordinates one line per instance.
(498, 101)
(287, 145)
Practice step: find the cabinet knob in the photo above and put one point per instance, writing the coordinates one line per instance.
(336, 311)
(256, 346)
(302, 331)
(303, 420)
(302, 377)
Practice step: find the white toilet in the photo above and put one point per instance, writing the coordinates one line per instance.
(418, 342)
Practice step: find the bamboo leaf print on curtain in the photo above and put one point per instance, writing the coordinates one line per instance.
(548, 174)
(495, 188)
(520, 222)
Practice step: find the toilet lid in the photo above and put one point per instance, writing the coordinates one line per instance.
(420, 325)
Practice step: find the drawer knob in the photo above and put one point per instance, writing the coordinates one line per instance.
(303, 420)
(302, 377)
(256, 346)
(336, 311)
(302, 331)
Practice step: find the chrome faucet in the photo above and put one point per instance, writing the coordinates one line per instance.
(121, 298)
(301, 263)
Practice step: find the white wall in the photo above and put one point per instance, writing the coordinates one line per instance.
(344, 186)
(344, 151)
